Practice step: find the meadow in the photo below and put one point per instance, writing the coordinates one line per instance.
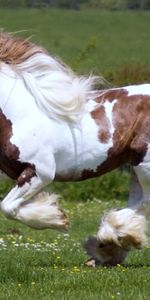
(88, 40)
(50, 265)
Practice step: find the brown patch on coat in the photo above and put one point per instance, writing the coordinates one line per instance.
(26, 175)
(99, 114)
(131, 120)
(111, 94)
(131, 116)
(102, 121)
(9, 155)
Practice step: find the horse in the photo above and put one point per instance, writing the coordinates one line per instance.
(56, 126)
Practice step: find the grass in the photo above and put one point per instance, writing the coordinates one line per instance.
(49, 265)
(99, 41)
(45, 264)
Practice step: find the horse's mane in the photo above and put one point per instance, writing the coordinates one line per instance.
(56, 89)
(15, 50)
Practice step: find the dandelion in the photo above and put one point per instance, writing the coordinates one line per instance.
(55, 267)
(76, 269)
(42, 242)
(55, 242)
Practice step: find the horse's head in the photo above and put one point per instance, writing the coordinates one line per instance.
(119, 231)
(104, 253)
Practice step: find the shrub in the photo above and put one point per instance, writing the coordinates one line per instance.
(113, 185)
(129, 75)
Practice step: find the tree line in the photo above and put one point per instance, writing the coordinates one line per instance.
(77, 4)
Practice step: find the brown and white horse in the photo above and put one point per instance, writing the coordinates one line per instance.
(54, 127)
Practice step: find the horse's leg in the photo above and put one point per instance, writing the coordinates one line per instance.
(126, 227)
(40, 211)
(143, 174)
(120, 230)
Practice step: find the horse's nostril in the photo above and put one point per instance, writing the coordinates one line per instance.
(101, 245)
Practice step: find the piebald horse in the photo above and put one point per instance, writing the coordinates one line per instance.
(55, 126)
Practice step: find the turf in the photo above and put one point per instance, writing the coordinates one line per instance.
(86, 40)
(49, 265)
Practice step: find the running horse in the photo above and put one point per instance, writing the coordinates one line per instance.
(55, 126)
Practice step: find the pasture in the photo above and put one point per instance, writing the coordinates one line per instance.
(47, 264)
(50, 265)
(89, 41)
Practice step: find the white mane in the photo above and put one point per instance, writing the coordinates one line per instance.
(58, 92)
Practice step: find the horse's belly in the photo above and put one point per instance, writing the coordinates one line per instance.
(71, 166)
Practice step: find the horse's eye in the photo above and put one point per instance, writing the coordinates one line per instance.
(102, 245)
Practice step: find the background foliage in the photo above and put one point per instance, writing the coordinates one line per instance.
(77, 4)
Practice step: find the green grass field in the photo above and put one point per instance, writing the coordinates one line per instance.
(49, 265)
(97, 41)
